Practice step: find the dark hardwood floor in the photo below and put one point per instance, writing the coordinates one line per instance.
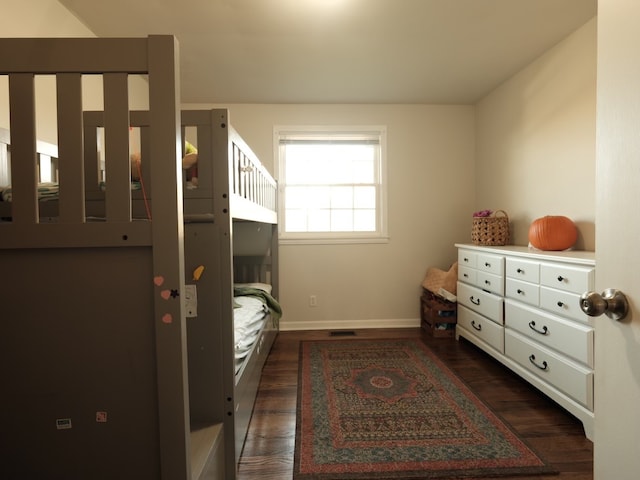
(549, 429)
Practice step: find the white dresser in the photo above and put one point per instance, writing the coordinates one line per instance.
(522, 307)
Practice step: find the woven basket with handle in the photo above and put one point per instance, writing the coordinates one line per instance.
(491, 230)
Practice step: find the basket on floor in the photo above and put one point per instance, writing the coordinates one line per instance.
(492, 230)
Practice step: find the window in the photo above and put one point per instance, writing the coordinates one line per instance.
(331, 184)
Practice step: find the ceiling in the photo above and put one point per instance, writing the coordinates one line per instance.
(343, 51)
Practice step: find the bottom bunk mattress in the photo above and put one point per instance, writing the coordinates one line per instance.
(253, 307)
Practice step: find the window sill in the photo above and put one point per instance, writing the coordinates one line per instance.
(333, 240)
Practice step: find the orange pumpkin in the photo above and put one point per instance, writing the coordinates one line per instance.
(553, 232)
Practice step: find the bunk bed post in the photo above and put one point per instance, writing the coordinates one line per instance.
(275, 262)
(168, 258)
(221, 208)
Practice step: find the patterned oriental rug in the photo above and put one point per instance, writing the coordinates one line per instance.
(390, 409)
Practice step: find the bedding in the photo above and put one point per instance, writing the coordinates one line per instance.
(46, 191)
(50, 191)
(253, 306)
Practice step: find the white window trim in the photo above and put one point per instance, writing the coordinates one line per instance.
(322, 238)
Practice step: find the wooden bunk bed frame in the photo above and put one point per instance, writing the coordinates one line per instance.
(110, 373)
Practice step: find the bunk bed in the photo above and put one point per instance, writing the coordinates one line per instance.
(119, 294)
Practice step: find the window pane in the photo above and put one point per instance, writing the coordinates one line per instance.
(319, 220)
(296, 197)
(342, 197)
(364, 197)
(364, 170)
(364, 220)
(329, 164)
(296, 168)
(308, 197)
(296, 220)
(318, 197)
(341, 220)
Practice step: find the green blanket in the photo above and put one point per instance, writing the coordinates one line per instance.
(268, 300)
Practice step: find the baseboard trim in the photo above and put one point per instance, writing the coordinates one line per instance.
(350, 324)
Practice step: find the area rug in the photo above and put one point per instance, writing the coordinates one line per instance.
(390, 409)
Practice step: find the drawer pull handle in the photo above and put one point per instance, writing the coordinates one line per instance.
(520, 270)
(465, 275)
(487, 282)
(560, 304)
(520, 292)
(532, 359)
(477, 327)
(487, 264)
(465, 260)
(560, 278)
(532, 326)
(474, 301)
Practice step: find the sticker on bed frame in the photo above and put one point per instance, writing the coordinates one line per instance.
(166, 294)
(63, 423)
(197, 273)
(101, 417)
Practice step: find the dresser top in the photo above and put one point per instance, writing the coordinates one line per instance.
(581, 257)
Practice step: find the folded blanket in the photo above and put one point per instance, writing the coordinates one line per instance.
(267, 299)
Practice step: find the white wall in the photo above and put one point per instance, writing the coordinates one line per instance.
(536, 140)
(430, 197)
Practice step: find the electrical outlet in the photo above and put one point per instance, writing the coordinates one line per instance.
(313, 301)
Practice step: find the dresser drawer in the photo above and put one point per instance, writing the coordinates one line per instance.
(490, 282)
(526, 270)
(490, 263)
(485, 303)
(522, 291)
(564, 336)
(574, 380)
(467, 258)
(563, 303)
(567, 277)
(486, 330)
(467, 274)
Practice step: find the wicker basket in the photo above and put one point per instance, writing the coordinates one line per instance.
(493, 230)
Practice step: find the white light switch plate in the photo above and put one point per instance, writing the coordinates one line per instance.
(191, 300)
